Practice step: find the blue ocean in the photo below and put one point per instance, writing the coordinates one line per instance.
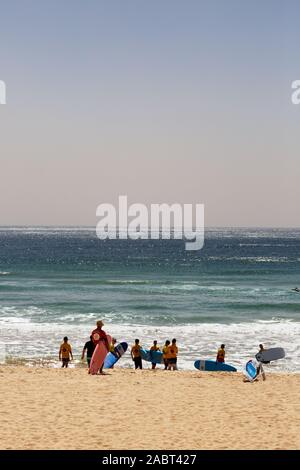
(237, 290)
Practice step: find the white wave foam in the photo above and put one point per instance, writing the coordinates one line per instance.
(127, 281)
(255, 259)
(27, 339)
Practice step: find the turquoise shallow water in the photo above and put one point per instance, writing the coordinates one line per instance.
(237, 290)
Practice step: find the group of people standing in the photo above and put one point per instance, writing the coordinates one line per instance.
(169, 350)
(97, 335)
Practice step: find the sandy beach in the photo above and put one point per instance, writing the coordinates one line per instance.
(43, 408)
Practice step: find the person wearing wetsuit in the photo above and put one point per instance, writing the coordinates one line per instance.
(89, 348)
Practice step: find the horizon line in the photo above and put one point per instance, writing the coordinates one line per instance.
(209, 227)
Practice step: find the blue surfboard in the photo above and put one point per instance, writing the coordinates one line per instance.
(213, 366)
(152, 356)
(250, 370)
(113, 357)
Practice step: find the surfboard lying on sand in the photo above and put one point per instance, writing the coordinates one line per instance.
(113, 357)
(152, 356)
(213, 366)
(98, 356)
(272, 354)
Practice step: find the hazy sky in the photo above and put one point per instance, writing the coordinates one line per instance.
(161, 100)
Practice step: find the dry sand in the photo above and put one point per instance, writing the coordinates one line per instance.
(44, 408)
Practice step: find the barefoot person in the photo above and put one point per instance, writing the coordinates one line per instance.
(112, 348)
(262, 349)
(221, 354)
(112, 345)
(136, 354)
(172, 355)
(260, 370)
(65, 352)
(165, 354)
(99, 335)
(153, 349)
(89, 347)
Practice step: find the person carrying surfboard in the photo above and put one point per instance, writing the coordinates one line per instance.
(221, 354)
(154, 348)
(136, 354)
(261, 350)
(99, 335)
